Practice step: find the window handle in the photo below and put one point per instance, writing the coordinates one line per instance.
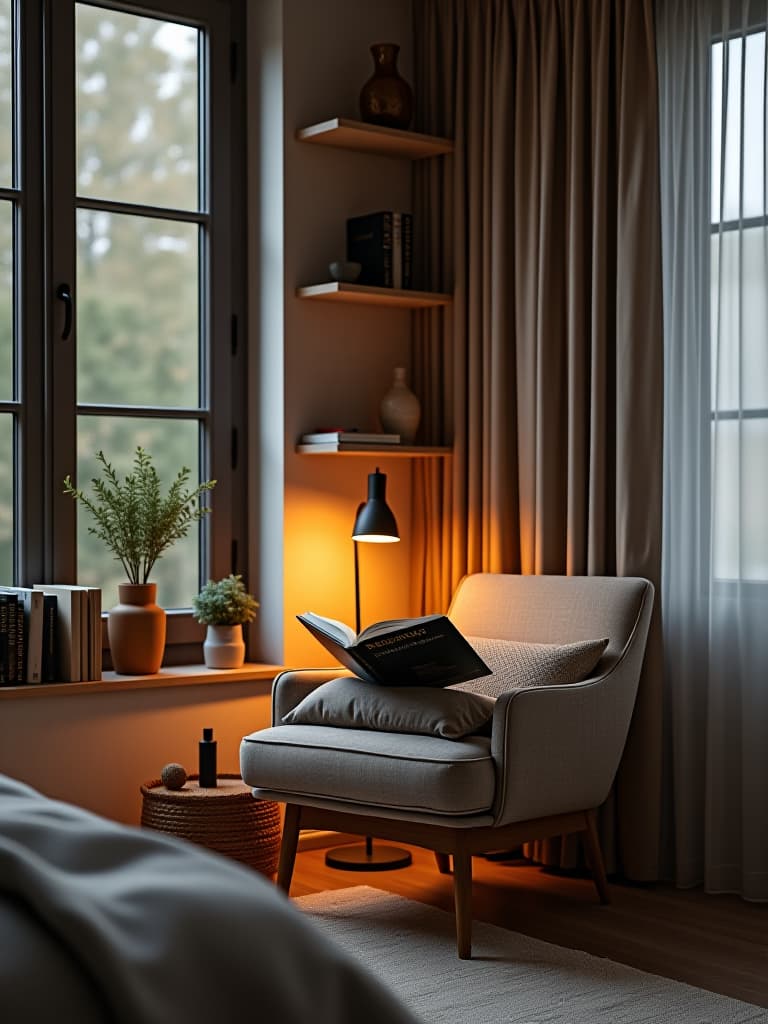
(64, 293)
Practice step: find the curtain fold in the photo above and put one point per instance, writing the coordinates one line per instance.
(713, 74)
(549, 365)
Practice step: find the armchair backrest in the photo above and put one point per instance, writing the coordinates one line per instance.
(551, 609)
(557, 748)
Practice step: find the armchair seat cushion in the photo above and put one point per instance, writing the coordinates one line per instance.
(395, 771)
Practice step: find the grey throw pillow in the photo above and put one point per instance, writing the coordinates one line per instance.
(350, 703)
(514, 664)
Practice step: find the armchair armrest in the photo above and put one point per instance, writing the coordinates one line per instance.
(557, 748)
(291, 687)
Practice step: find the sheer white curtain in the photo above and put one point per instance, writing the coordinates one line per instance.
(713, 93)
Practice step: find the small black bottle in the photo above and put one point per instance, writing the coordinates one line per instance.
(207, 745)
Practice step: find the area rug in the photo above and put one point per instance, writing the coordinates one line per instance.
(512, 979)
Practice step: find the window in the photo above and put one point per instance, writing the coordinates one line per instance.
(120, 286)
(739, 307)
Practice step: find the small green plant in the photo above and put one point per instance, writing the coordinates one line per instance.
(132, 517)
(224, 603)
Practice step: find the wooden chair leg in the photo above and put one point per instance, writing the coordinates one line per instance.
(288, 846)
(595, 856)
(462, 900)
(443, 861)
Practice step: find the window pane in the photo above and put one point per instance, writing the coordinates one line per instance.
(6, 500)
(137, 108)
(740, 349)
(753, 50)
(740, 499)
(6, 301)
(172, 444)
(6, 93)
(137, 315)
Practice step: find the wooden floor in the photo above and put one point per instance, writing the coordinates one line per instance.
(715, 942)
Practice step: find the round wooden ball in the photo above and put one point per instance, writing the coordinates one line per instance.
(173, 776)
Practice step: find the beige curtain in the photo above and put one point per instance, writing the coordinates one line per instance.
(547, 372)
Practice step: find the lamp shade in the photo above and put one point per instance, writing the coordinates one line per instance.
(375, 522)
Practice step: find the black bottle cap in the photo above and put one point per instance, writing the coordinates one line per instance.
(207, 735)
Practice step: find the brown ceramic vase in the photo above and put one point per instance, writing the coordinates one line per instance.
(136, 629)
(386, 98)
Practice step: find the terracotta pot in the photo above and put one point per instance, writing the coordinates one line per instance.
(136, 630)
(386, 98)
(224, 647)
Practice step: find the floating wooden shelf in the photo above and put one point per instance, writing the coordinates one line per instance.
(372, 138)
(381, 451)
(339, 291)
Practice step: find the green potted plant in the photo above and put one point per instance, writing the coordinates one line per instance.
(224, 606)
(138, 524)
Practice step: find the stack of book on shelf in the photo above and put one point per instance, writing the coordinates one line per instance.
(49, 633)
(346, 441)
(382, 243)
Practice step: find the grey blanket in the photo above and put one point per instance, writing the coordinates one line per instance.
(101, 922)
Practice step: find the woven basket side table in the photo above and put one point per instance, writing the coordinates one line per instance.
(227, 819)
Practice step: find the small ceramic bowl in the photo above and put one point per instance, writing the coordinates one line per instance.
(344, 270)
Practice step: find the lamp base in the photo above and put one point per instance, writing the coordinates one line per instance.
(367, 857)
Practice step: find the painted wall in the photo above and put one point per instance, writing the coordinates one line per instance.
(310, 365)
(337, 359)
(96, 750)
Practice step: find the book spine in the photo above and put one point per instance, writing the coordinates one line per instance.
(369, 243)
(21, 642)
(407, 250)
(49, 668)
(3, 639)
(11, 660)
(397, 250)
(386, 243)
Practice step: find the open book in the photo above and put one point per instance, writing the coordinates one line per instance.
(428, 651)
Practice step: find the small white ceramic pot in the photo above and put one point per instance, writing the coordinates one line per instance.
(224, 647)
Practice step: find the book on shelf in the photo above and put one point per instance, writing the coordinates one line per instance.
(426, 651)
(50, 660)
(382, 244)
(94, 632)
(345, 446)
(29, 633)
(351, 436)
(68, 629)
(77, 631)
(7, 639)
(402, 248)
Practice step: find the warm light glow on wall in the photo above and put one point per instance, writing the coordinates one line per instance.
(319, 559)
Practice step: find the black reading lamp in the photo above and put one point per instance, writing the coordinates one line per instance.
(374, 524)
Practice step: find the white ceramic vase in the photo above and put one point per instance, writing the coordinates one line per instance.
(400, 409)
(224, 647)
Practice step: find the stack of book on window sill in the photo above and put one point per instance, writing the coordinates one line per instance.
(348, 441)
(49, 633)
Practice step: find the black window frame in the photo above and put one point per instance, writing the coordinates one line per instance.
(44, 194)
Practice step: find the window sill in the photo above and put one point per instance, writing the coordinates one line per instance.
(171, 675)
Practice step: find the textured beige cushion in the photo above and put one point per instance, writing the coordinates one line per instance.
(514, 664)
(349, 703)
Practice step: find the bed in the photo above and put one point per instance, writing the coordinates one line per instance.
(100, 922)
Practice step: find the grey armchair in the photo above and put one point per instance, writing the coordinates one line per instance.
(548, 764)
